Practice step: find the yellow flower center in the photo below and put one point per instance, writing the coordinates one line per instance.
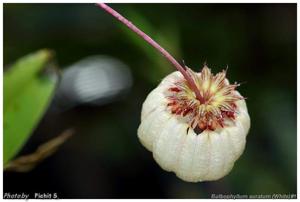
(217, 105)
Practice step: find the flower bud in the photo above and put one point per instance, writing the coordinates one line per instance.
(198, 140)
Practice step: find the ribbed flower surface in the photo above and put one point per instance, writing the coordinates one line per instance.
(199, 140)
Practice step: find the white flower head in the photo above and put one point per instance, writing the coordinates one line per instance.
(197, 139)
(194, 123)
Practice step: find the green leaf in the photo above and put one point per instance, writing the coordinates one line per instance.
(27, 93)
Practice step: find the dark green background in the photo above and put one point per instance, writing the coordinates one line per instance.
(105, 159)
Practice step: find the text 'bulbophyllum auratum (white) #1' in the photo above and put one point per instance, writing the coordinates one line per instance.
(198, 140)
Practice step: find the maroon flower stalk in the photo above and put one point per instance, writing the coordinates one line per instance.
(167, 55)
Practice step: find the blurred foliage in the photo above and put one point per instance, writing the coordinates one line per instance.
(27, 162)
(256, 41)
(168, 37)
(27, 93)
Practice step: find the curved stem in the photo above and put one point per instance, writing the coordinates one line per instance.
(167, 55)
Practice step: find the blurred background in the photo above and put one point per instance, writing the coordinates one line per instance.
(104, 158)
